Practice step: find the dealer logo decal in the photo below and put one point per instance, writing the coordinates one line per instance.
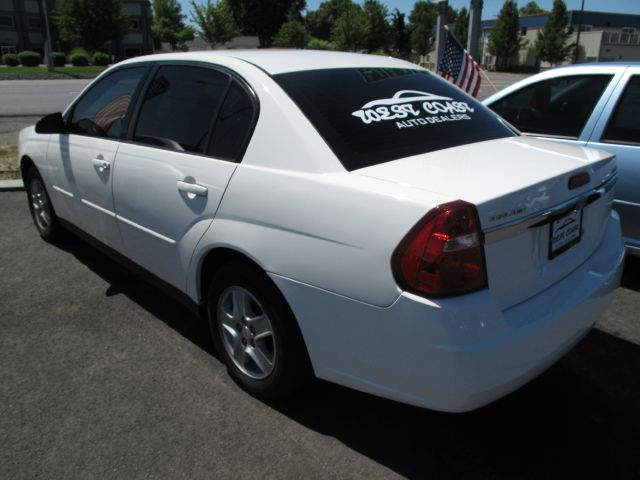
(401, 107)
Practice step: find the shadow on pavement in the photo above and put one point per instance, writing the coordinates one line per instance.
(580, 419)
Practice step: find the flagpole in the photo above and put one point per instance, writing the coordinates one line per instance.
(482, 70)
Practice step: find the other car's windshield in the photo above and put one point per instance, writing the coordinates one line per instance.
(369, 116)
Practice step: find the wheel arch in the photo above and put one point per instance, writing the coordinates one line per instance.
(215, 258)
(26, 163)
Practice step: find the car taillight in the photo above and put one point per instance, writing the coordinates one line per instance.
(442, 254)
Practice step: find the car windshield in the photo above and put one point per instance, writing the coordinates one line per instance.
(369, 116)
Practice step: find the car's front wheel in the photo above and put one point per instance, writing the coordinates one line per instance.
(44, 217)
(255, 333)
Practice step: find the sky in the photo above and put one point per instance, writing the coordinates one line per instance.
(492, 7)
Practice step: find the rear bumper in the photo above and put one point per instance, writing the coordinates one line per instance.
(455, 354)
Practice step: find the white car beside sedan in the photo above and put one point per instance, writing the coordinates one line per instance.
(351, 217)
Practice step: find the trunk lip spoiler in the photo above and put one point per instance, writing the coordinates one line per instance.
(514, 227)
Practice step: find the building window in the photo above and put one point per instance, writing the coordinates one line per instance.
(628, 36)
(134, 24)
(6, 21)
(7, 49)
(130, 52)
(35, 23)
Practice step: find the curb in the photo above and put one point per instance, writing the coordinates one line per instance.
(11, 185)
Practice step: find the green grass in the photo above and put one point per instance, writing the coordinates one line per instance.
(9, 162)
(42, 71)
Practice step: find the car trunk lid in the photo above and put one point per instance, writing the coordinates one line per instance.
(521, 188)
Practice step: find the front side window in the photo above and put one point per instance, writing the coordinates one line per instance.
(556, 107)
(101, 111)
(179, 108)
(624, 126)
(369, 116)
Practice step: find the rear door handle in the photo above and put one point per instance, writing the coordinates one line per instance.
(101, 164)
(194, 188)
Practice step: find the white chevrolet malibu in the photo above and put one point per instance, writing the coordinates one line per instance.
(349, 216)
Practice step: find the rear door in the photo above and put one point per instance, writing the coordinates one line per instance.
(618, 131)
(191, 130)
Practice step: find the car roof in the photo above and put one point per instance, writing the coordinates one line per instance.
(275, 61)
(595, 68)
(599, 64)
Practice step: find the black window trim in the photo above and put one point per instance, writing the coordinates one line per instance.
(233, 76)
(68, 115)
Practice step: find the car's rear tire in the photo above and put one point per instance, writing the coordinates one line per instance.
(42, 212)
(255, 333)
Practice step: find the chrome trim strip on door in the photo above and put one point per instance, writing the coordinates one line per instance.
(624, 202)
(146, 230)
(128, 222)
(68, 194)
(98, 207)
(519, 225)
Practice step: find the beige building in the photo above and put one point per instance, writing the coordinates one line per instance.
(604, 37)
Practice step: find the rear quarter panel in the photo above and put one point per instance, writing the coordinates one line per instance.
(332, 231)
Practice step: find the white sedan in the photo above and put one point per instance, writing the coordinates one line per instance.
(346, 216)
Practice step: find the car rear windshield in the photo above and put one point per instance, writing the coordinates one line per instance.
(370, 116)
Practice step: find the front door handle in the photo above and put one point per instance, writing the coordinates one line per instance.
(101, 164)
(192, 187)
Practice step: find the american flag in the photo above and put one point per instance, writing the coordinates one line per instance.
(457, 66)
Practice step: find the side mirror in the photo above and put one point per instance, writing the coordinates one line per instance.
(53, 123)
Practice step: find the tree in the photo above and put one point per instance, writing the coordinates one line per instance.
(531, 8)
(321, 21)
(215, 21)
(264, 18)
(291, 35)
(422, 20)
(400, 34)
(461, 27)
(90, 23)
(378, 31)
(504, 39)
(168, 24)
(350, 30)
(551, 43)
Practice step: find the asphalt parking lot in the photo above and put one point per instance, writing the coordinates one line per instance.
(102, 376)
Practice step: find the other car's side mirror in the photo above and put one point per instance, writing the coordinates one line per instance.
(53, 123)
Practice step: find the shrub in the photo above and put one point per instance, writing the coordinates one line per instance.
(79, 59)
(317, 44)
(59, 59)
(79, 50)
(29, 59)
(11, 59)
(101, 59)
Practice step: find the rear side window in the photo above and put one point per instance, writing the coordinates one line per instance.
(624, 126)
(232, 127)
(101, 111)
(557, 107)
(369, 116)
(179, 108)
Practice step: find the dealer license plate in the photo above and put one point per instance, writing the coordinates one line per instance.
(564, 232)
